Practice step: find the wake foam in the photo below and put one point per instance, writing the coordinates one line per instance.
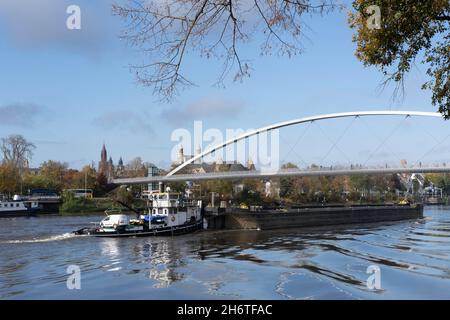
(58, 237)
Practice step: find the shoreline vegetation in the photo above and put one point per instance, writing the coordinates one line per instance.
(80, 206)
(93, 206)
(98, 206)
(85, 206)
(17, 177)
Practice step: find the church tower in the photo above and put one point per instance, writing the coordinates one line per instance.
(120, 168)
(181, 155)
(250, 165)
(103, 164)
(120, 165)
(197, 152)
(110, 168)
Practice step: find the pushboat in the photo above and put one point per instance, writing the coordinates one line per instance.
(168, 213)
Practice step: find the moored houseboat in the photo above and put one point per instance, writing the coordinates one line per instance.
(17, 207)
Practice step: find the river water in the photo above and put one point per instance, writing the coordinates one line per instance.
(413, 258)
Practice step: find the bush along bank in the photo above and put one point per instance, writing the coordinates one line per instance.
(71, 205)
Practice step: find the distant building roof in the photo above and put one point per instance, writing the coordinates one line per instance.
(34, 171)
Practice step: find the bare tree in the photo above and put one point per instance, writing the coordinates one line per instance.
(17, 151)
(165, 30)
(136, 168)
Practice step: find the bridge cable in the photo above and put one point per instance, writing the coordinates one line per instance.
(386, 139)
(432, 149)
(338, 140)
(292, 150)
(330, 140)
(300, 137)
(399, 158)
(430, 134)
(438, 142)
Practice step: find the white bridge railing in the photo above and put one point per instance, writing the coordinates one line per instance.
(256, 174)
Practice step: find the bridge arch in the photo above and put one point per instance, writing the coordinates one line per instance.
(299, 121)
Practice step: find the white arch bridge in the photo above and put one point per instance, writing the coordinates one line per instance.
(173, 177)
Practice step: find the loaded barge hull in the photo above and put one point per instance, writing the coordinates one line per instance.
(312, 217)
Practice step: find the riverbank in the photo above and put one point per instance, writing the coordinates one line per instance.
(82, 206)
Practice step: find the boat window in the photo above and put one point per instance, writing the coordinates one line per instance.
(11, 205)
(17, 204)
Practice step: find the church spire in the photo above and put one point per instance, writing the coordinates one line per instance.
(104, 154)
(103, 164)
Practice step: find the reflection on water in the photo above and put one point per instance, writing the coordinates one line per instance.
(162, 259)
(322, 263)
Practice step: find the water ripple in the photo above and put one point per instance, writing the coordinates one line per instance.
(314, 263)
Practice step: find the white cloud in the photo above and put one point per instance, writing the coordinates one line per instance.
(20, 114)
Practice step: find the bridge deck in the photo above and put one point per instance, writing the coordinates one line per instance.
(237, 175)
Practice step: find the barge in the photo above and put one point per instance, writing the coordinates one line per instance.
(312, 217)
(170, 213)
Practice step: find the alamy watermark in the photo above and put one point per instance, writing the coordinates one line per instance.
(374, 280)
(74, 280)
(261, 149)
(73, 21)
(374, 20)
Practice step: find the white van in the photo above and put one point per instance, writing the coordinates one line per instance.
(114, 221)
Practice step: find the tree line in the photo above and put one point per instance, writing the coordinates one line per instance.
(16, 176)
(311, 189)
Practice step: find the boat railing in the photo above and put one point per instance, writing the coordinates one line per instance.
(191, 203)
(166, 203)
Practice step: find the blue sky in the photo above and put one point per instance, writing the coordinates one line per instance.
(70, 91)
